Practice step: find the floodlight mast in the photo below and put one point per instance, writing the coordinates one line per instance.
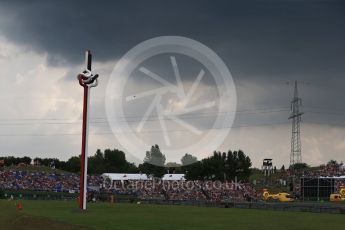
(87, 80)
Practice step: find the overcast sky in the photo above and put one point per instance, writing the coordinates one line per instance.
(265, 44)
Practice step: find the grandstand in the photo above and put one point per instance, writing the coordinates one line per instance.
(314, 185)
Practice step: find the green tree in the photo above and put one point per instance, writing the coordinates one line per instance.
(299, 166)
(16, 160)
(332, 162)
(154, 162)
(155, 156)
(73, 164)
(96, 163)
(115, 161)
(188, 159)
(221, 166)
(194, 171)
(244, 164)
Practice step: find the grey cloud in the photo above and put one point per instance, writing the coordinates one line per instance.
(268, 42)
(254, 37)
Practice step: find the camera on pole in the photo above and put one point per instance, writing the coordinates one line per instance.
(87, 80)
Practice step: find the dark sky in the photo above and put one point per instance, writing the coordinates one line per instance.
(255, 37)
(271, 41)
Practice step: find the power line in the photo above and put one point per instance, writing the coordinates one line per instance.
(327, 113)
(248, 111)
(148, 131)
(158, 130)
(204, 114)
(104, 121)
(151, 119)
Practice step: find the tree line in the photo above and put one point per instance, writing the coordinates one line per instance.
(219, 166)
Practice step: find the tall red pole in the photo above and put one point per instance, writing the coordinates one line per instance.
(83, 160)
(87, 80)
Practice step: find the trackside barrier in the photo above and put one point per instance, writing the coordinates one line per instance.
(336, 208)
(33, 195)
(292, 207)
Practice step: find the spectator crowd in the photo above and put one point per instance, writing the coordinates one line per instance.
(184, 190)
(55, 181)
(150, 189)
(332, 169)
(42, 181)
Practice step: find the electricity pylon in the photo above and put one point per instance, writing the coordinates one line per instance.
(296, 154)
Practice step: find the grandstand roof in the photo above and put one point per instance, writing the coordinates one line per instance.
(174, 177)
(125, 176)
(324, 177)
(332, 177)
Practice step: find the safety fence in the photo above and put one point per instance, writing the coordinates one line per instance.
(316, 207)
(37, 195)
(294, 207)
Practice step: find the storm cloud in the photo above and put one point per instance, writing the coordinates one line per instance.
(253, 37)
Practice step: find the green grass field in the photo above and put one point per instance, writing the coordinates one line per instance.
(65, 215)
